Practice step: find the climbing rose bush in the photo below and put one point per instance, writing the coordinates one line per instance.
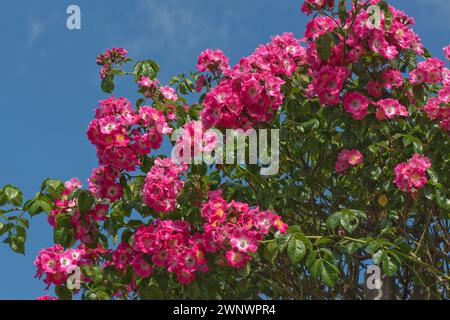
(363, 113)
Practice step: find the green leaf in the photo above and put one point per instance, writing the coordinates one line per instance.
(373, 246)
(63, 292)
(282, 241)
(64, 237)
(17, 244)
(376, 173)
(153, 292)
(6, 227)
(63, 232)
(374, 148)
(443, 202)
(296, 250)
(348, 139)
(311, 259)
(350, 248)
(389, 266)
(102, 295)
(316, 268)
(433, 176)
(329, 273)
(14, 195)
(333, 220)
(323, 46)
(310, 125)
(342, 10)
(85, 201)
(427, 53)
(54, 184)
(126, 235)
(349, 219)
(139, 102)
(24, 222)
(409, 139)
(294, 229)
(147, 68)
(3, 197)
(108, 84)
(36, 206)
(349, 222)
(271, 252)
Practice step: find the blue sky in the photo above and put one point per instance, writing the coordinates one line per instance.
(49, 84)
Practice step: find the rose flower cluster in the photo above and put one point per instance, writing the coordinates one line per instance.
(231, 231)
(347, 159)
(85, 226)
(151, 89)
(63, 205)
(235, 228)
(412, 175)
(110, 57)
(120, 134)
(56, 264)
(438, 107)
(309, 6)
(103, 183)
(169, 244)
(248, 93)
(194, 140)
(382, 44)
(364, 40)
(213, 61)
(162, 185)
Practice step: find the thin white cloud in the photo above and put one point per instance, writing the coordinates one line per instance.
(442, 4)
(36, 28)
(436, 11)
(173, 25)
